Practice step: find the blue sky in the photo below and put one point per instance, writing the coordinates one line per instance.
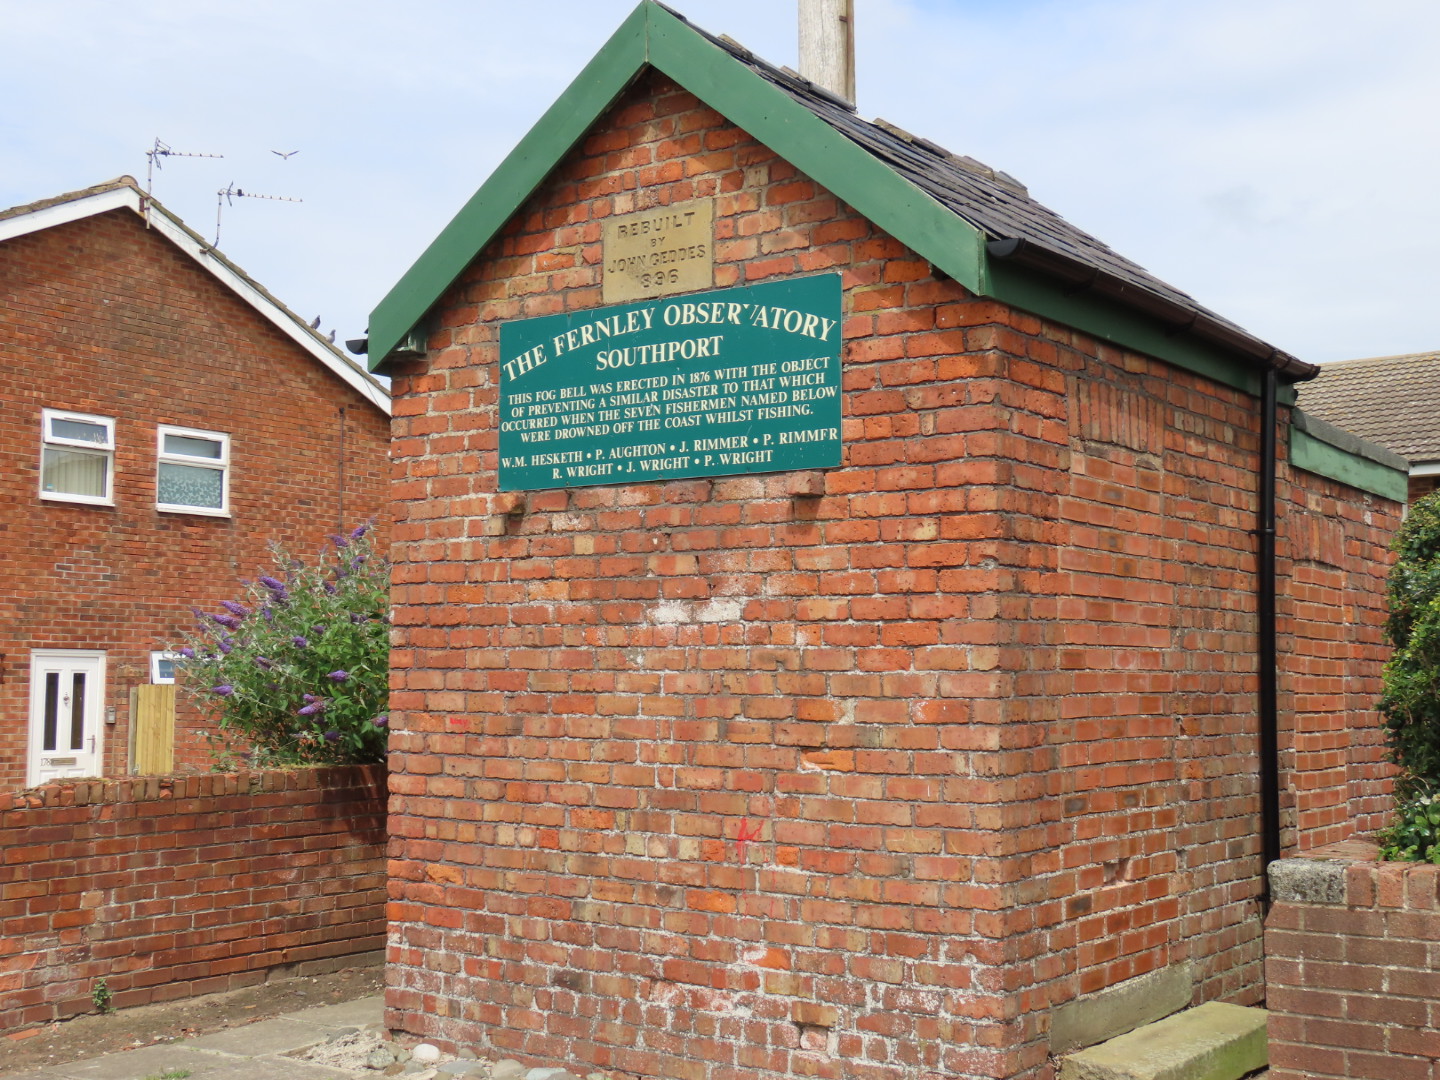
(1274, 158)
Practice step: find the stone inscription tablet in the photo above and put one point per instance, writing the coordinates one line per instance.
(740, 380)
(658, 252)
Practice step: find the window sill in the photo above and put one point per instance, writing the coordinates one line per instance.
(75, 500)
(194, 511)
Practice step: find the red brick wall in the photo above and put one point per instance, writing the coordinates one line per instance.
(168, 887)
(1334, 558)
(986, 704)
(1354, 986)
(1138, 625)
(104, 317)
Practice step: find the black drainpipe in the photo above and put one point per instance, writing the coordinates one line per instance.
(1078, 276)
(1267, 650)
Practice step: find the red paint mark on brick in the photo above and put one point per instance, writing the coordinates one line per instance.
(745, 836)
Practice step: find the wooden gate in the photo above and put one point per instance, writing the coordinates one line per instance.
(153, 711)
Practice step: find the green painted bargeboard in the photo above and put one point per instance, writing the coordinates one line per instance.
(743, 380)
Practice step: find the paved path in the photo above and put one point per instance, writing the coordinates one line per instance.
(252, 1052)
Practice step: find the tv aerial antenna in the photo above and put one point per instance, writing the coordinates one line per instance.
(227, 196)
(160, 150)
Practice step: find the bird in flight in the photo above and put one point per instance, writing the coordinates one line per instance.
(285, 156)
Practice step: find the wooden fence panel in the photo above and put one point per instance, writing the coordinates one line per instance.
(155, 729)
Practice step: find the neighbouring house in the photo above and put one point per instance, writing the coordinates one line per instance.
(1393, 401)
(163, 419)
(849, 621)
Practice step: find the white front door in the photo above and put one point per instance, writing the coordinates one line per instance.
(67, 691)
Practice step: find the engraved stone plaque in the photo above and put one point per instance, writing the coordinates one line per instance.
(658, 252)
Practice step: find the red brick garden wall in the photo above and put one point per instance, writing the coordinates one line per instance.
(855, 774)
(167, 887)
(1354, 978)
(103, 317)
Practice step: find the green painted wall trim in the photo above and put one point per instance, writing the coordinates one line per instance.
(1317, 455)
(1119, 325)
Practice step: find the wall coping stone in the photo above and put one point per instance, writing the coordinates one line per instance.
(95, 791)
(1321, 876)
(1307, 881)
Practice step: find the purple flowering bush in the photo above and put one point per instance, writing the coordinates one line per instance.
(298, 666)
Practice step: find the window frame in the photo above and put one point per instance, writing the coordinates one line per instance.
(219, 464)
(90, 449)
(156, 678)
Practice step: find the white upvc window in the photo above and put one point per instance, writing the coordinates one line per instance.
(77, 457)
(162, 666)
(192, 471)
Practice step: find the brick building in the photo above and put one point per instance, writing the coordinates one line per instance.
(877, 766)
(162, 420)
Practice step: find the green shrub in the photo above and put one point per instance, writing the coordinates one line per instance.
(298, 668)
(1411, 700)
(1410, 703)
(1415, 834)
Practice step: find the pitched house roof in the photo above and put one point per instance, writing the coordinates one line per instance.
(125, 193)
(1390, 400)
(977, 225)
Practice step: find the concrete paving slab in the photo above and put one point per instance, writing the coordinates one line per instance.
(362, 1012)
(251, 1052)
(279, 1036)
(1213, 1042)
(137, 1064)
(273, 1068)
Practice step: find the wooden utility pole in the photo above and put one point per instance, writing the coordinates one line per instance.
(827, 45)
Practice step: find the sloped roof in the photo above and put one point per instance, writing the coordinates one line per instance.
(992, 201)
(977, 225)
(1390, 400)
(124, 192)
